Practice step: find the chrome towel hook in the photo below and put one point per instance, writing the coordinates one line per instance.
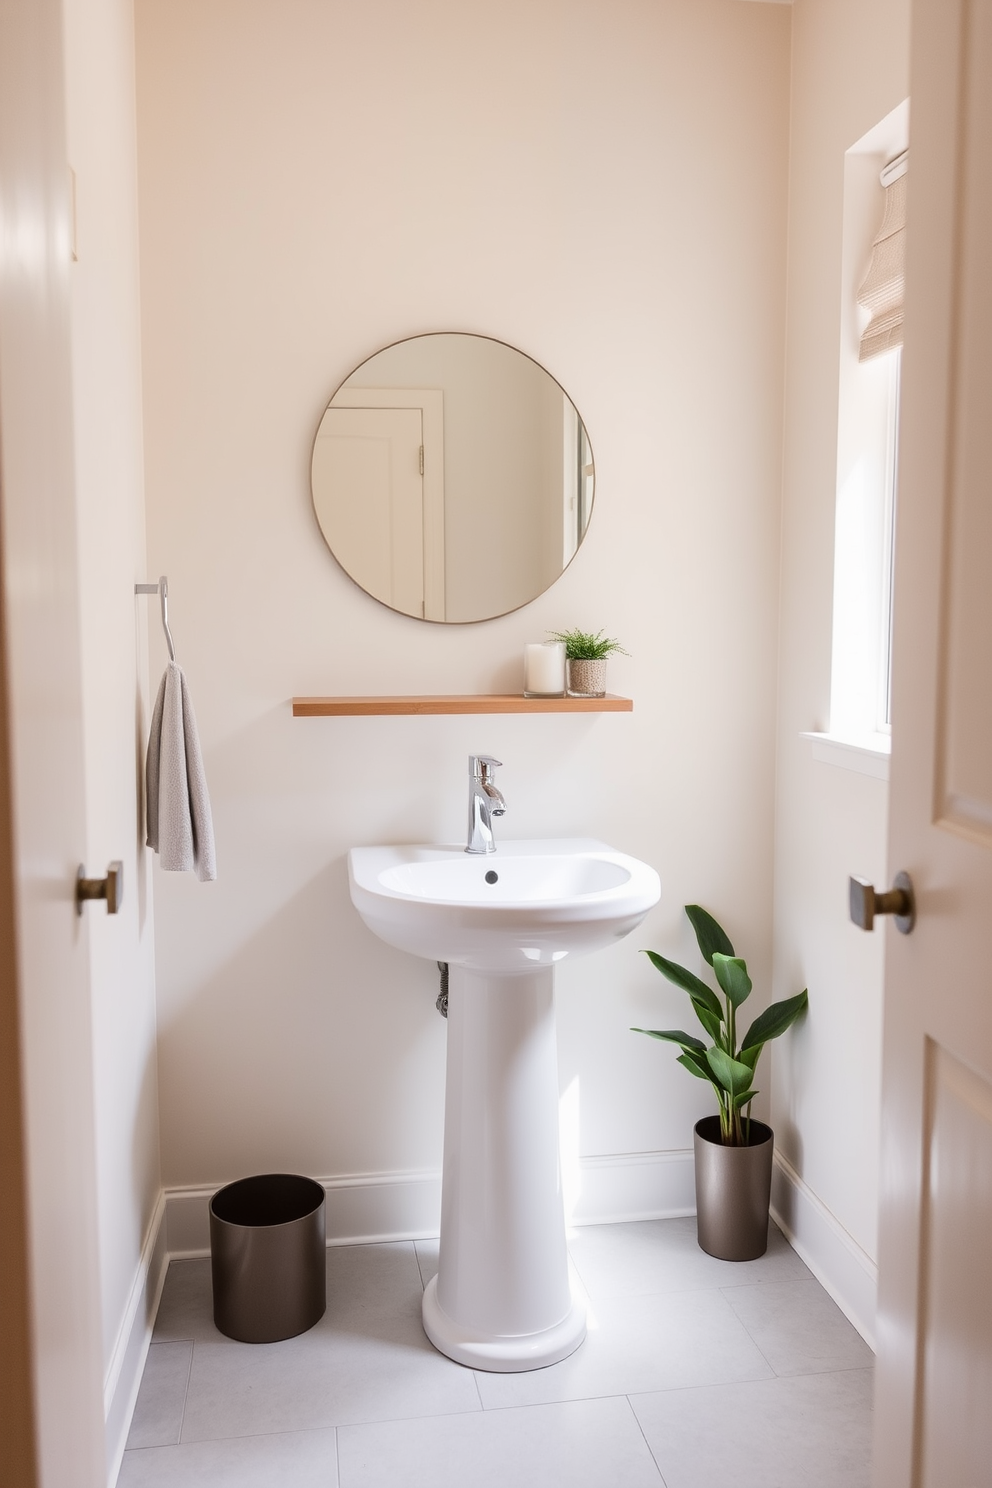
(162, 589)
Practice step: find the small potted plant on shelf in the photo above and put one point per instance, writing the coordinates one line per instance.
(585, 659)
(733, 1153)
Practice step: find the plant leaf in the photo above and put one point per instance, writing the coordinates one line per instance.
(774, 1020)
(709, 935)
(712, 1022)
(743, 1098)
(582, 645)
(697, 1067)
(731, 973)
(750, 1056)
(696, 989)
(674, 1036)
(731, 1074)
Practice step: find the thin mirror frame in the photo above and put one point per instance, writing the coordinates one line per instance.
(478, 336)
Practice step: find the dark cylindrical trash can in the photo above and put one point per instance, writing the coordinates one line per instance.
(267, 1257)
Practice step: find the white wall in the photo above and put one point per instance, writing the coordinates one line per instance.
(850, 64)
(106, 355)
(604, 187)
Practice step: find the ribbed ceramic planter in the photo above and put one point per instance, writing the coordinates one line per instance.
(586, 678)
(733, 1190)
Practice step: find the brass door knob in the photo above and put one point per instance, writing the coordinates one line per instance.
(110, 888)
(898, 901)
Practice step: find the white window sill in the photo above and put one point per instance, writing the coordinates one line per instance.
(868, 755)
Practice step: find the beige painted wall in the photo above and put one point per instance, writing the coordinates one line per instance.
(106, 366)
(850, 68)
(603, 186)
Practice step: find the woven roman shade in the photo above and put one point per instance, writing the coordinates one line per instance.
(883, 290)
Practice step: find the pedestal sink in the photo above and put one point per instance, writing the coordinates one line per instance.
(501, 1298)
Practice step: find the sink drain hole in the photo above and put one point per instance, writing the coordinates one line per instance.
(492, 876)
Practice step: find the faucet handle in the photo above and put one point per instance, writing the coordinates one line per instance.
(479, 765)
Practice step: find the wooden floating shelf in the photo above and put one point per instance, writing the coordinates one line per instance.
(489, 702)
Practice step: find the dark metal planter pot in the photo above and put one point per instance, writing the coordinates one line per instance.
(733, 1190)
(267, 1257)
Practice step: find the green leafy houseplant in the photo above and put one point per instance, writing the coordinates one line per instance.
(582, 645)
(729, 1067)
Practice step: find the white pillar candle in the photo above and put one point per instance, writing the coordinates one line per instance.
(544, 669)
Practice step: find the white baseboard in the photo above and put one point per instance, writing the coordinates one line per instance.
(366, 1208)
(632, 1185)
(835, 1258)
(362, 1209)
(120, 1390)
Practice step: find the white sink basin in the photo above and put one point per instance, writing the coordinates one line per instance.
(525, 906)
(501, 1298)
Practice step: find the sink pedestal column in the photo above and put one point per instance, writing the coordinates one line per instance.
(501, 1299)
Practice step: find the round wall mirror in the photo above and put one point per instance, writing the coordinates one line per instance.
(452, 477)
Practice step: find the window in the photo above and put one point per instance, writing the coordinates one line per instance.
(867, 437)
(860, 676)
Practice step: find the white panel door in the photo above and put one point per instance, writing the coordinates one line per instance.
(40, 634)
(934, 1386)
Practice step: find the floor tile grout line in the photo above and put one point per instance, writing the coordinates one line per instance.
(739, 1384)
(677, 1291)
(701, 1286)
(337, 1458)
(833, 1369)
(189, 1376)
(575, 1265)
(803, 1281)
(451, 1415)
(155, 1344)
(204, 1441)
(750, 1379)
(250, 1436)
(757, 1345)
(338, 1426)
(637, 1422)
(571, 1400)
(747, 1330)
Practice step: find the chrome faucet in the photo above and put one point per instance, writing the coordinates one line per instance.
(484, 802)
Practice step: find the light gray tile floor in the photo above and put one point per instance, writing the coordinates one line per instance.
(811, 1430)
(695, 1372)
(158, 1414)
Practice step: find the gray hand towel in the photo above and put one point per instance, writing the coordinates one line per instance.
(180, 827)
